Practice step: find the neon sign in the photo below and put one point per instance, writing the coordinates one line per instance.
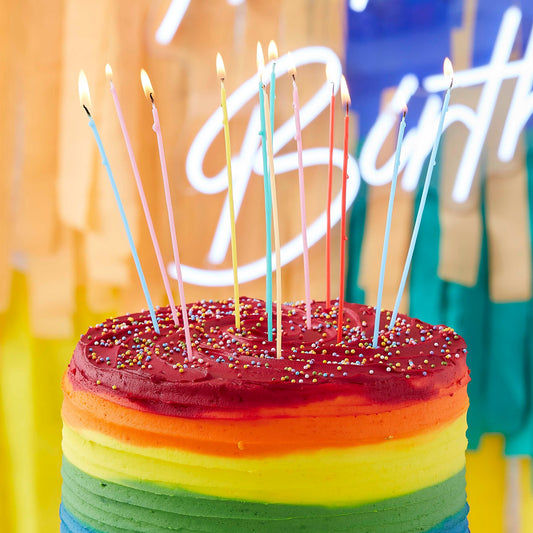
(249, 159)
(417, 142)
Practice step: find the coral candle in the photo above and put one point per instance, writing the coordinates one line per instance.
(345, 96)
(329, 76)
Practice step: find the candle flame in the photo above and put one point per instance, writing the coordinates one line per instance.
(272, 51)
(292, 65)
(447, 68)
(147, 85)
(108, 73)
(221, 71)
(260, 59)
(345, 94)
(83, 89)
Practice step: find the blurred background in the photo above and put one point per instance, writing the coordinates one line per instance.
(65, 263)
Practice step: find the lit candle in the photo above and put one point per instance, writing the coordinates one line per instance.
(268, 195)
(140, 188)
(448, 71)
(388, 227)
(149, 93)
(222, 74)
(275, 218)
(298, 128)
(345, 97)
(85, 101)
(329, 76)
(272, 57)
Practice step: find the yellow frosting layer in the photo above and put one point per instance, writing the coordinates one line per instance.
(341, 476)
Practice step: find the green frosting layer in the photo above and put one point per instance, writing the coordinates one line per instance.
(145, 507)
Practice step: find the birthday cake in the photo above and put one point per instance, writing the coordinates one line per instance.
(330, 437)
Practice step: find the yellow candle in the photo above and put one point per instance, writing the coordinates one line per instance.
(275, 220)
(222, 74)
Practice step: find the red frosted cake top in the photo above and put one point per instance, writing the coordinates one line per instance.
(124, 358)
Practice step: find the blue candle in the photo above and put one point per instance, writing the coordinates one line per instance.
(268, 193)
(85, 101)
(448, 70)
(387, 228)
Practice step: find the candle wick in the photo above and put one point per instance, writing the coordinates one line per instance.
(451, 82)
(347, 108)
(404, 113)
(152, 98)
(87, 110)
(293, 77)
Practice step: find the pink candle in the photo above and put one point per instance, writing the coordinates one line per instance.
(296, 105)
(149, 92)
(140, 188)
(346, 102)
(330, 180)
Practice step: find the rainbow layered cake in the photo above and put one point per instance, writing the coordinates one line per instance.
(330, 437)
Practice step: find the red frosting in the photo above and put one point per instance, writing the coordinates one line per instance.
(125, 359)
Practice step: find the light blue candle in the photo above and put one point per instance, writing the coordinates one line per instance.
(84, 94)
(268, 194)
(420, 211)
(125, 222)
(387, 229)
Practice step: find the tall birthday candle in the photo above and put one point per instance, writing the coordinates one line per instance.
(448, 72)
(149, 93)
(298, 129)
(85, 101)
(221, 71)
(329, 76)
(267, 192)
(140, 188)
(388, 228)
(346, 103)
(275, 219)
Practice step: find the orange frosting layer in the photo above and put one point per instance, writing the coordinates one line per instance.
(266, 436)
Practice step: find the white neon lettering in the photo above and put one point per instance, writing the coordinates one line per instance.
(292, 249)
(380, 131)
(242, 171)
(171, 21)
(521, 106)
(250, 156)
(358, 5)
(487, 102)
(417, 142)
(173, 17)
